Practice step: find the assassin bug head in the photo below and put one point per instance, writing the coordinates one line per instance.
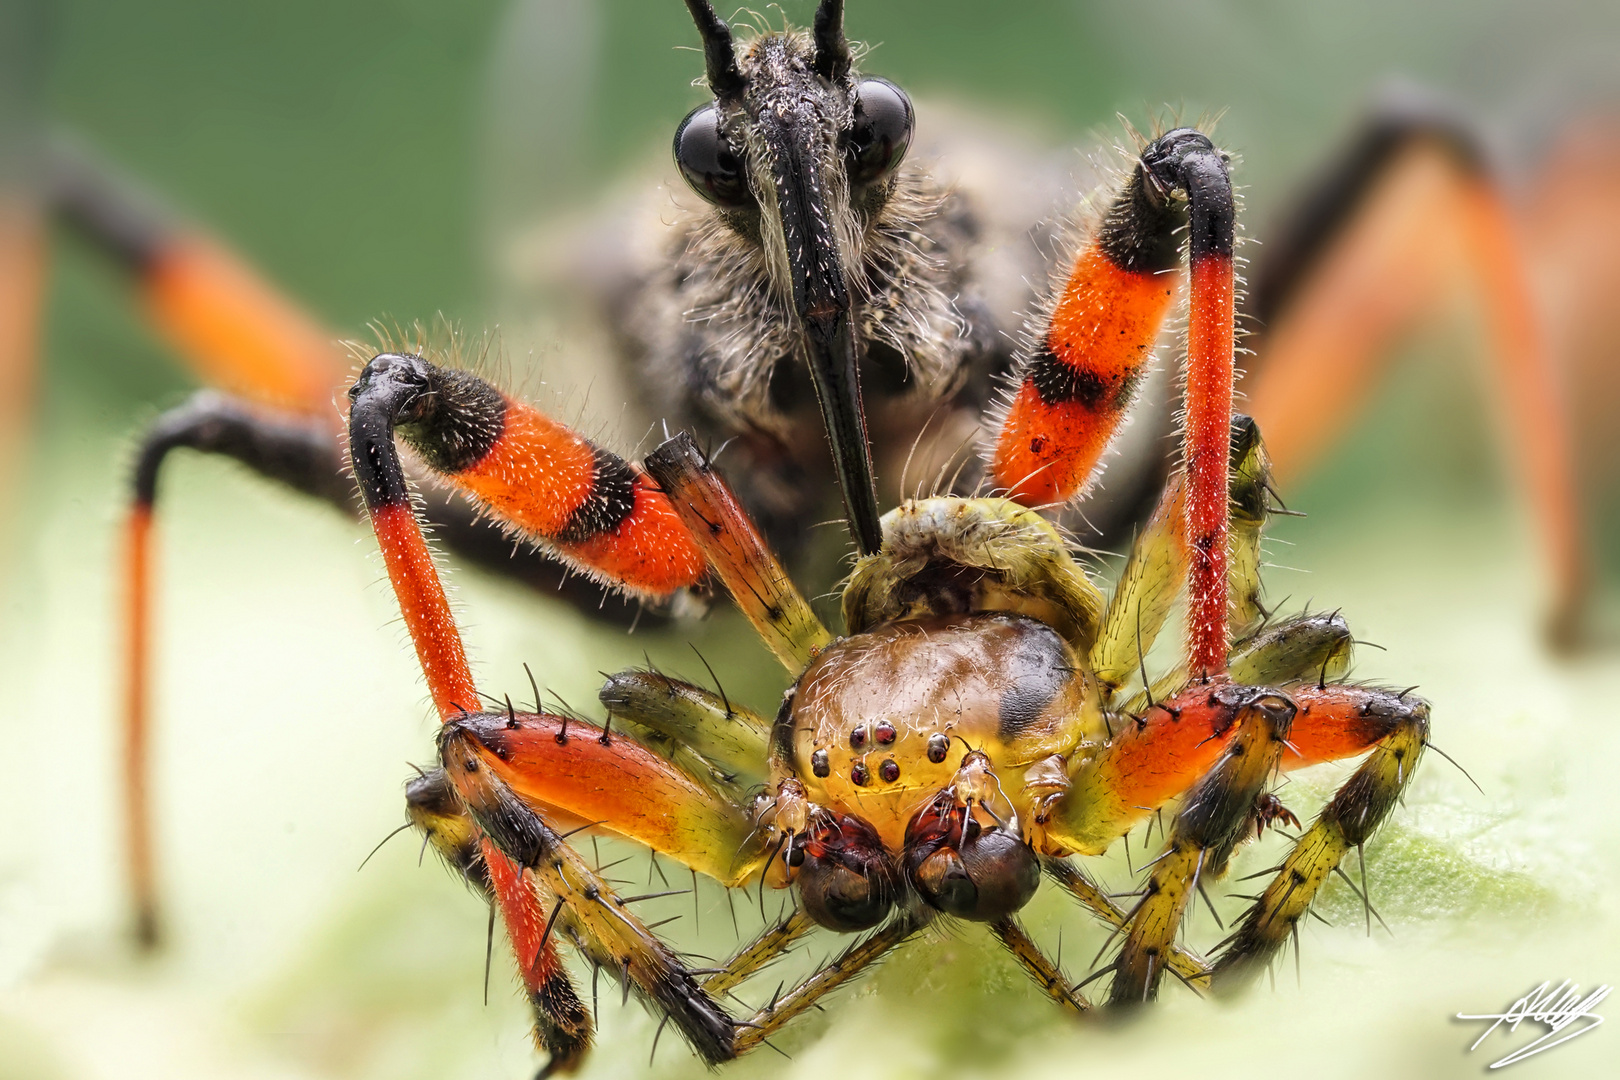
(797, 157)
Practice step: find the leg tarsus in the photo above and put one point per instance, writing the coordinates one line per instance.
(1397, 726)
(1038, 966)
(772, 944)
(850, 963)
(1183, 962)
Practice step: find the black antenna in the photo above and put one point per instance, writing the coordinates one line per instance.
(719, 61)
(832, 50)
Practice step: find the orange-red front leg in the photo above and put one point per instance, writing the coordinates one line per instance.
(235, 331)
(509, 769)
(433, 632)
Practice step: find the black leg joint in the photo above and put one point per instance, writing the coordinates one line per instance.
(392, 390)
(1186, 160)
(297, 452)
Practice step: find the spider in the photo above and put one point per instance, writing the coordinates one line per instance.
(966, 734)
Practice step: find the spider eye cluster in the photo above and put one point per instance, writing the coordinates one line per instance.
(707, 161)
(881, 134)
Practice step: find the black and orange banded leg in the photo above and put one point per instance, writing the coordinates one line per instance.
(1075, 387)
(540, 884)
(1408, 208)
(233, 328)
(592, 509)
(237, 331)
(1073, 391)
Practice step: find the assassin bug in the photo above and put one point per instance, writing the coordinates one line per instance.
(963, 736)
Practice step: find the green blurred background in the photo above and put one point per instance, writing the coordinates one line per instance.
(370, 156)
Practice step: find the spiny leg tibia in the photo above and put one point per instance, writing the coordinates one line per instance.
(1183, 962)
(1331, 723)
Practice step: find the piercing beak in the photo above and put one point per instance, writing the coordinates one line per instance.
(825, 308)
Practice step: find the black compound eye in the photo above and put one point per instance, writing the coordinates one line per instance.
(707, 162)
(881, 132)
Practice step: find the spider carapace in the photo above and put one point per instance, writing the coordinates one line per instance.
(974, 728)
